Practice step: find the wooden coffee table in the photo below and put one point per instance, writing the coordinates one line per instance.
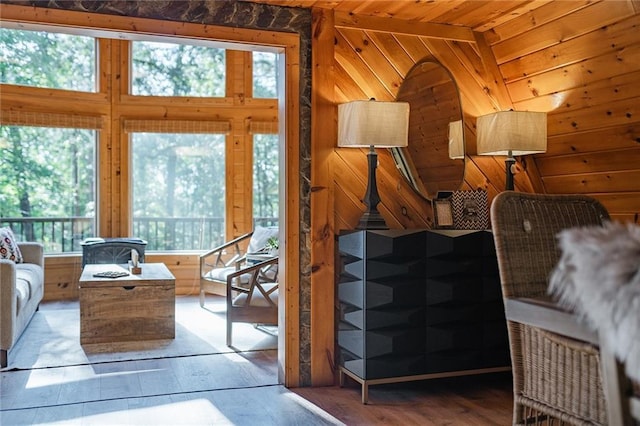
(133, 307)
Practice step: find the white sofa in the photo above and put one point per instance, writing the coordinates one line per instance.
(21, 291)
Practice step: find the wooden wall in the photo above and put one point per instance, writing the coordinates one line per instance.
(577, 61)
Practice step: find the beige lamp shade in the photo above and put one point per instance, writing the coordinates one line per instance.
(373, 123)
(512, 133)
(456, 140)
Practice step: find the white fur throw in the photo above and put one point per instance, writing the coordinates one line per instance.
(598, 276)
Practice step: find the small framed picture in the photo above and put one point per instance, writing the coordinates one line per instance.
(470, 209)
(443, 213)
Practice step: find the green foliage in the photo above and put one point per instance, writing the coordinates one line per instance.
(169, 69)
(42, 59)
(272, 243)
(46, 171)
(264, 75)
(178, 175)
(265, 175)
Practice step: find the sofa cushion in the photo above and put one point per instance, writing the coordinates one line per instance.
(23, 294)
(31, 274)
(8, 246)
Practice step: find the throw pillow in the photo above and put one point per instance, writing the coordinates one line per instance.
(258, 240)
(8, 246)
(598, 276)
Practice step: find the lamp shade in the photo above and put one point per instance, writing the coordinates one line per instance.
(512, 132)
(456, 140)
(373, 123)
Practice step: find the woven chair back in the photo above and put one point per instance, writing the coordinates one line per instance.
(525, 228)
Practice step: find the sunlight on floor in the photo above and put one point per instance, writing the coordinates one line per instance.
(58, 376)
(197, 411)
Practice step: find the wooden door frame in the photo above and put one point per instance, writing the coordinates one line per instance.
(100, 25)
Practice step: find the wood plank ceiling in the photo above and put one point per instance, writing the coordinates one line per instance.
(577, 60)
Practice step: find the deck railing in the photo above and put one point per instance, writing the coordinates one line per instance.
(62, 235)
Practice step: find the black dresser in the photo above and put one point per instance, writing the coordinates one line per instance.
(419, 304)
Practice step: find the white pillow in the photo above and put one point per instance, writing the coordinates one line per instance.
(259, 238)
(9, 246)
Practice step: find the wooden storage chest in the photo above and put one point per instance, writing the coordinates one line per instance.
(133, 307)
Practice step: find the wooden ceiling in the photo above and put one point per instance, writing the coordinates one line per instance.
(478, 15)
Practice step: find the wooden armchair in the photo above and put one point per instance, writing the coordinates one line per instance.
(252, 295)
(555, 358)
(229, 257)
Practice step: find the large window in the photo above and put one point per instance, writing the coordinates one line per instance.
(48, 186)
(265, 179)
(44, 59)
(167, 116)
(170, 69)
(178, 190)
(264, 75)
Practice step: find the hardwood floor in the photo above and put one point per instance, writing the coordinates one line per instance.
(474, 400)
(237, 388)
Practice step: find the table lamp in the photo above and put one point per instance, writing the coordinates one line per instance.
(512, 133)
(373, 124)
(456, 140)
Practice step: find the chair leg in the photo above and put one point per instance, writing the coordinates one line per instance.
(202, 298)
(229, 326)
(4, 358)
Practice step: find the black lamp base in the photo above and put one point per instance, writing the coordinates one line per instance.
(371, 218)
(509, 163)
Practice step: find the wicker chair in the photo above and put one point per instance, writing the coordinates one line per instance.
(555, 359)
(622, 392)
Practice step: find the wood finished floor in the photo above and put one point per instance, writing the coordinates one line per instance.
(240, 389)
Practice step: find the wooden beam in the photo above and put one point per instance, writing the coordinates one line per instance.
(323, 135)
(397, 26)
(290, 205)
(101, 25)
(495, 84)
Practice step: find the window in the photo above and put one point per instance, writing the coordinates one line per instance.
(170, 69)
(265, 179)
(47, 176)
(178, 190)
(45, 59)
(264, 75)
(162, 169)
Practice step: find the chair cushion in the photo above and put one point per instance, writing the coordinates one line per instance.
(8, 246)
(221, 274)
(258, 298)
(259, 238)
